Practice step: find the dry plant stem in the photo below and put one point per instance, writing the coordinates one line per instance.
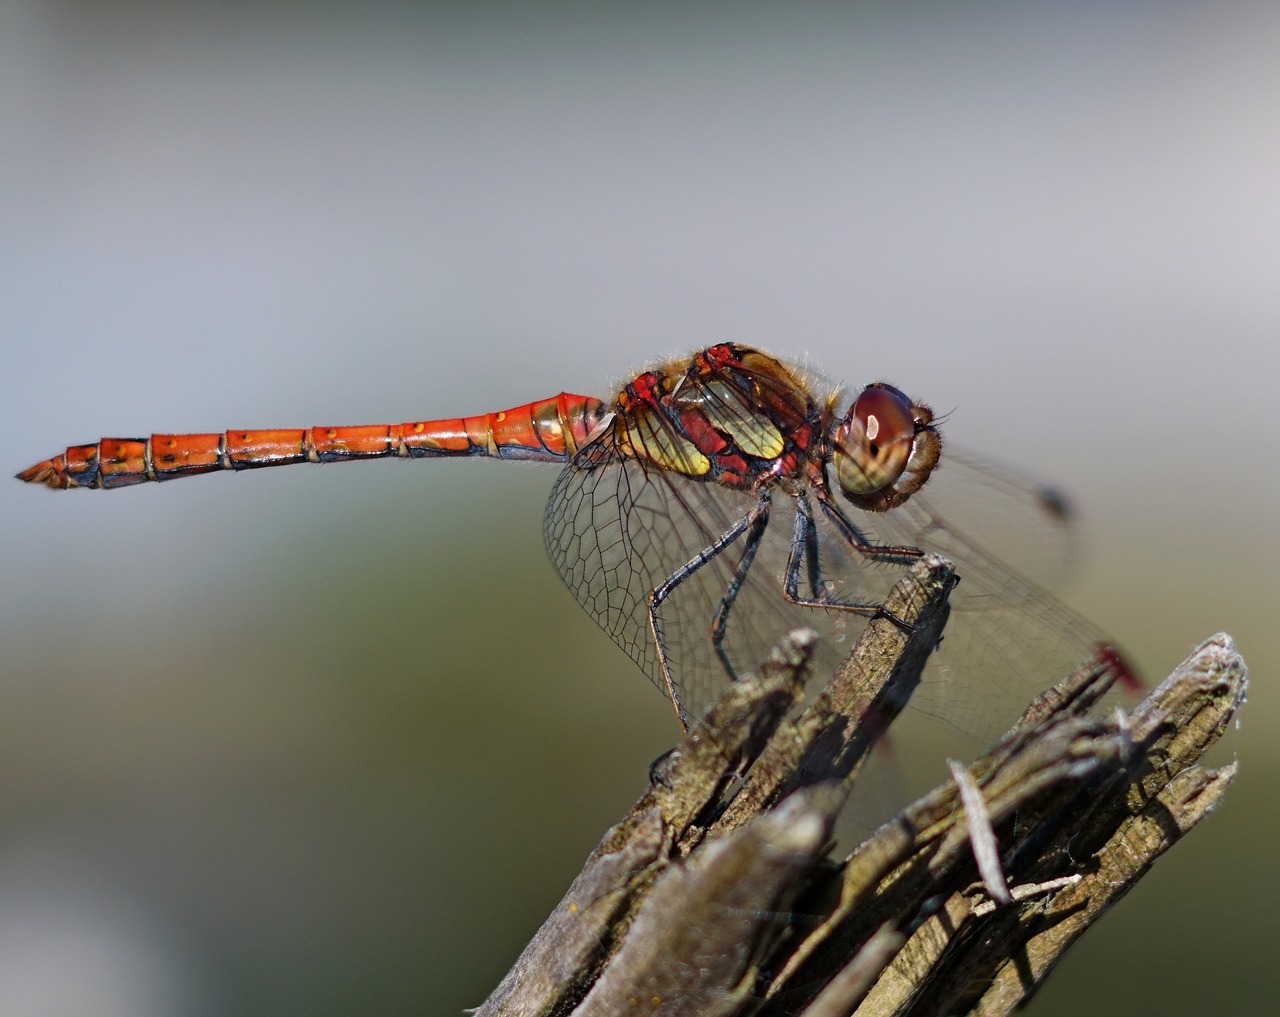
(714, 896)
(686, 797)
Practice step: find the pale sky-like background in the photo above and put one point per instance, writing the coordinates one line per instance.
(267, 744)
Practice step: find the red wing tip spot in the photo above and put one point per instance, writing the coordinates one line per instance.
(1126, 676)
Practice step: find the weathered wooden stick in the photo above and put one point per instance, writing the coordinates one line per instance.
(689, 905)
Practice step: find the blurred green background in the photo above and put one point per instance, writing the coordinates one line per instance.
(334, 741)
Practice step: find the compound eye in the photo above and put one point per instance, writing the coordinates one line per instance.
(875, 441)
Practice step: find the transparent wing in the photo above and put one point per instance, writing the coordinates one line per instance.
(616, 529)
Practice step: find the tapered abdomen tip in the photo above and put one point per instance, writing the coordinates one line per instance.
(51, 473)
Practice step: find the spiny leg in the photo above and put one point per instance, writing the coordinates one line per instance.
(750, 521)
(891, 554)
(804, 543)
(811, 561)
(721, 621)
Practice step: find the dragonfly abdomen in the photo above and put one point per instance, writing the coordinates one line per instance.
(549, 430)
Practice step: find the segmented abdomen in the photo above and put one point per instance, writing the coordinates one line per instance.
(549, 430)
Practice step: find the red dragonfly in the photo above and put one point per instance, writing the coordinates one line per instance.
(695, 520)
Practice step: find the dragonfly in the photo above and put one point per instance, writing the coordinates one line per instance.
(719, 500)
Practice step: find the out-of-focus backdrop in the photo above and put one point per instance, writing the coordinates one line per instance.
(334, 740)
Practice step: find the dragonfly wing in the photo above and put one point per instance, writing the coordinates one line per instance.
(616, 529)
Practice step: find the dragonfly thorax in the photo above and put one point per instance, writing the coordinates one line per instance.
(884, 448)
(730, 415)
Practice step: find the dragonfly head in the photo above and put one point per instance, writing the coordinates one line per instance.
(885, 448)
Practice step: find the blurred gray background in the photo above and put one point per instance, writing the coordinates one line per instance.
(334, 741)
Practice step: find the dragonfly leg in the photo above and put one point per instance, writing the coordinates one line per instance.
(804, 545)
(890, 554)
(754, 521)
(721, 620)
